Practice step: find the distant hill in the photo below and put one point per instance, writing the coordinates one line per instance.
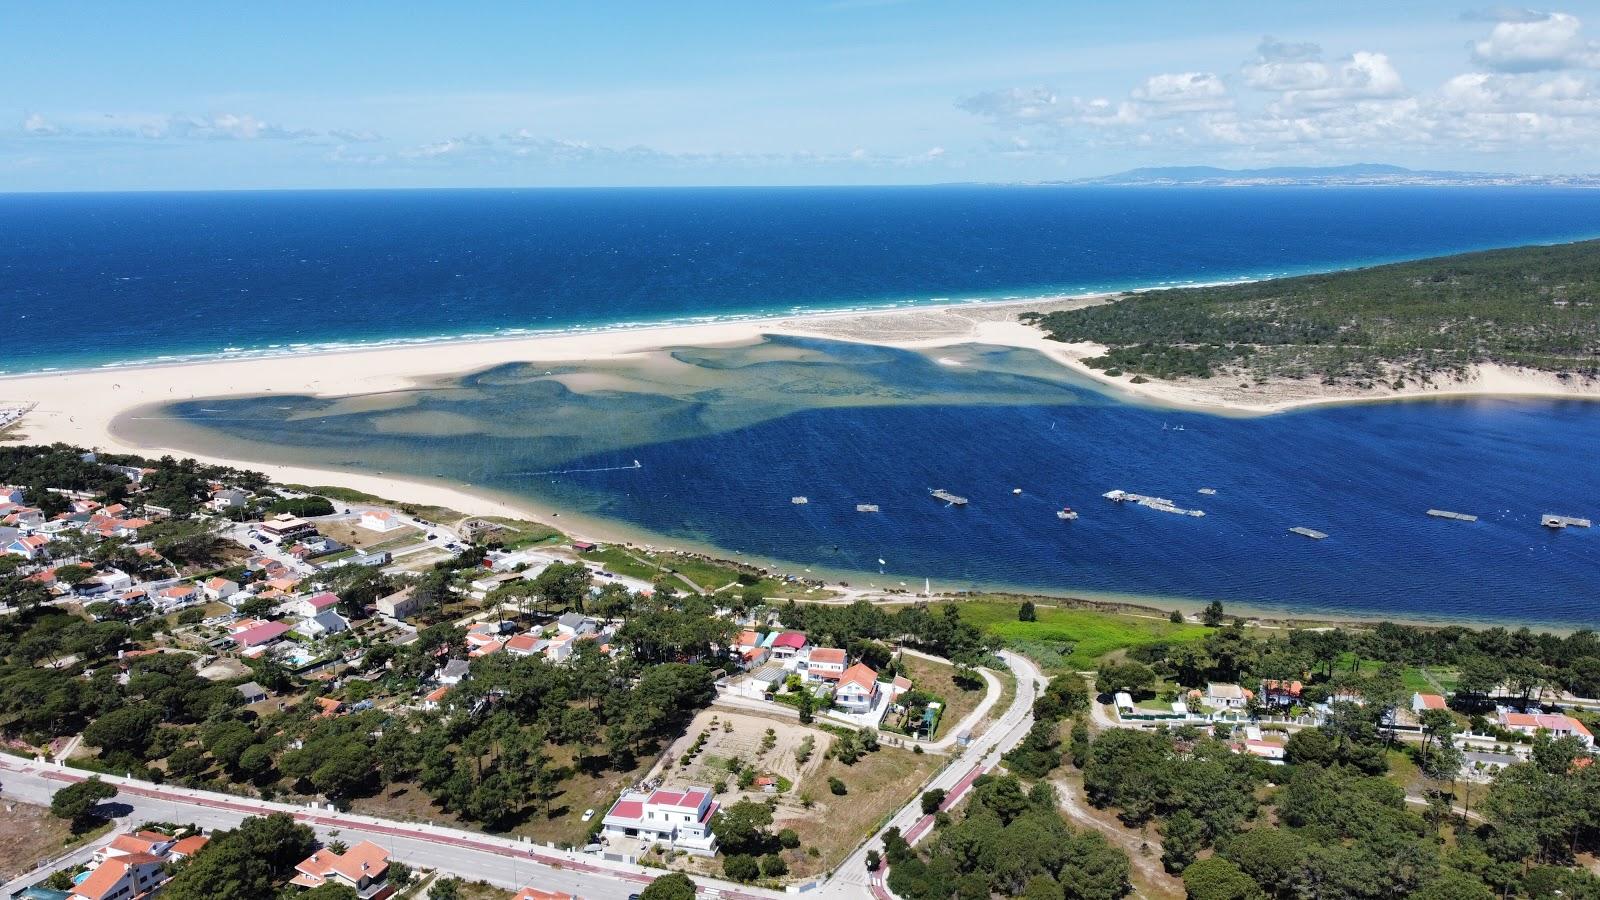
(1532, 307)
(1356, 174)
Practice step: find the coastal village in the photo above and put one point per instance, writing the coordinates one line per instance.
(309, 640)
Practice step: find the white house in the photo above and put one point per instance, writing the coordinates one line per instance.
(1559, 725)
(380, 520)
(220, 588)
(575, 624)
(1421, 703)
(323, 623)
(176, 597)
(29, 547)
(680, 819)
(227, 498)
(787, 645)
(858, 688)
(825, 664)
(316, 604)
(1227, 696)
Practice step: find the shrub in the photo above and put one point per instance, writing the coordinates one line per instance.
(837, 787)
(741, 868)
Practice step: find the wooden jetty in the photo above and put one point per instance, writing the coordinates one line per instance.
(1447, 514)
(1157, 503)
(1309, 532)
(866, 507)
(1553, 521)
(947, 497)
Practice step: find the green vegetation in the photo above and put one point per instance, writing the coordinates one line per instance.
(1009, 841)
(1394, 324)
(1076, 638)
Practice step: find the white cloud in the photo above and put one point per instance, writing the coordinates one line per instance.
(1533, 42)
(1363, 76)
(225, 126)
(1183, 92)
(1281, 66)
(36, 124)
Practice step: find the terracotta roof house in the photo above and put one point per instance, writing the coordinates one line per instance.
(857, 690)
(363, 867)
(1422, 702)
(127, 876)
(260, 635)
(825, 664)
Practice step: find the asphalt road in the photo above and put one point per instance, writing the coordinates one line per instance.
(474, 857)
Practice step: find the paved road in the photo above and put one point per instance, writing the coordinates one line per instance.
(852, 879)
(499, 861)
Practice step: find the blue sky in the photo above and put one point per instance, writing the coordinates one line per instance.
(155, 95)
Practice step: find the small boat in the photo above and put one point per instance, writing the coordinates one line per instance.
(1066, 514)
(799, 501)
(1016, 490)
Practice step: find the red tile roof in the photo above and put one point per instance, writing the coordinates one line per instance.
(791, 639)
(260, 634)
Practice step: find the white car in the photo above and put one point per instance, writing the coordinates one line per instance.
(588, 814)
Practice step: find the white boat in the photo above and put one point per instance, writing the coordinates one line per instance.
(1066, 514)
(1016, 490)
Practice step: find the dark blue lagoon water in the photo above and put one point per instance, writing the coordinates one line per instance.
(91, 279)
(843, 424)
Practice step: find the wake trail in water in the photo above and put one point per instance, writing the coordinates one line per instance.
(636, 465)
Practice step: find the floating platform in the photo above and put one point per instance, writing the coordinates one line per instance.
(1447, 514)
(946, 496)
(1161, 504)
(799, 501)
(1553, 521)
(1309, 532)
(866, 507)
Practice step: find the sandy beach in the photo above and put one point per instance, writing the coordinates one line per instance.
(78, 407)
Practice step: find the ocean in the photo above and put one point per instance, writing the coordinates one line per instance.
(95, 279)
(113, 279)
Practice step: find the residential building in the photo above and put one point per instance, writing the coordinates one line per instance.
(1282, 693)
(153, 843)
(1557, 724)
(122, 877)
(787, 645)
(323, 623)
(316, 604)
(380, 520)
(283, 526)
(857, 690)
(402, 604)
(176, 597)
(252, 692)
(825, 664)
(227, 498)
(29, 547)
(1421, 703)
(533, 893)
(526, 645)
(454, 671)
(253, 633)
(1227, 696)
(681, 819)
(220, 588)
(363, 868)
(576, 624)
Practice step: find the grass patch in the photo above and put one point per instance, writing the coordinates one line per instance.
(938, 678)
(710, 575)
(1090, 633)
(879, 783)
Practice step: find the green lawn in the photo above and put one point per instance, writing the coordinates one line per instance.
(1091, 633)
